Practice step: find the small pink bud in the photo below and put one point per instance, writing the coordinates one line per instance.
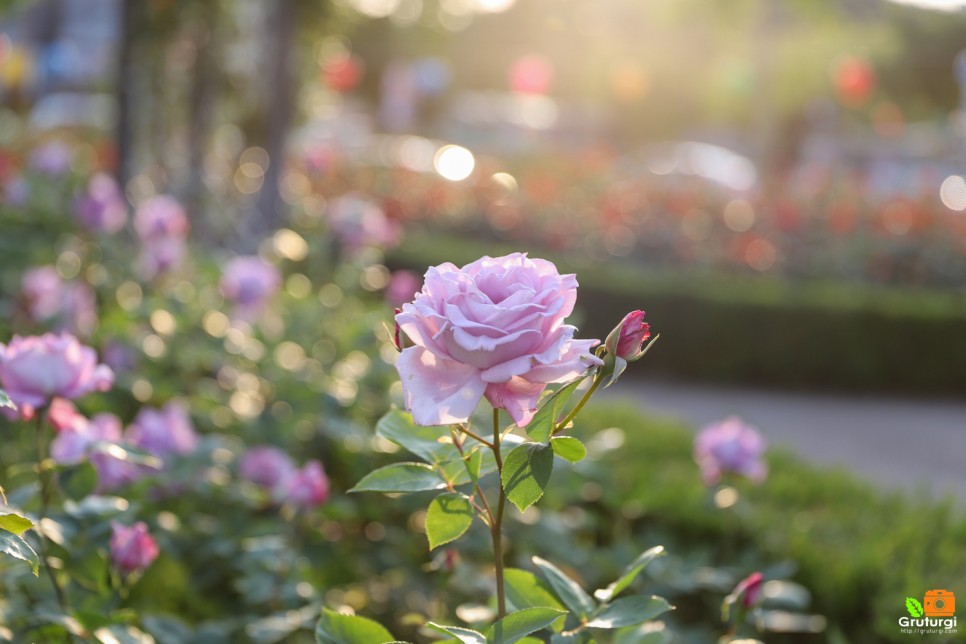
(308, 487)
(748, 590)
(627, 338)
(132, 548)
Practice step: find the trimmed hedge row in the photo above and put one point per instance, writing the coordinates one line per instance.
(763, 331)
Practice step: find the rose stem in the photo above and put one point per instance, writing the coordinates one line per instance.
(580, 405)
(496, 528)
(43, 476)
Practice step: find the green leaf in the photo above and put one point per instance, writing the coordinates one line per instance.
(541, 427)
(5, 401)
(401, 477)
(449, 516)
(630, 573)
(569, 448)
(526, 473)
(474, 463)
(518, 625)
(15, 523)
(432, 444)
(526, 590)
(336, 628)
(569, 591)
(629, 611)
(649, 633)
(914, 607)
(464, 635)
(17, 547)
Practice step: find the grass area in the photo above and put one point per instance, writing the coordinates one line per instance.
(859, 550)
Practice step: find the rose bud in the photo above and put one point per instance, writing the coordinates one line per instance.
(132, 548)
(627, 338)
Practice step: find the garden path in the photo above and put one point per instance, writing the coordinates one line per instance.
(897, 443)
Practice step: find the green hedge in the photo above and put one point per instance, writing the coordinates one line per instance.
(858, 550)
(762, 331)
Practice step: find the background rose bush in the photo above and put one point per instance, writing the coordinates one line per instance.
(242, 559)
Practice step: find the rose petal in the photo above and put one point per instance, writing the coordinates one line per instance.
(518, 396)
(438, 391)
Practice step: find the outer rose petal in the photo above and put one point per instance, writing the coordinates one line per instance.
(438, 391)
(574, 362)
(518, 396)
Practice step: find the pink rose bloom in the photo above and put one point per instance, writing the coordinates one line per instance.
(102, 207)
(35, 369)
(132, 547)
(360, 223)
(73, 444)
(266, 466)
(162, 226)
(730, 446)
(307, 487)
(62, 414)
(164, 431)
(626, 340)
(402, 287)
(495, 328)
(47, 296)
(42, 287)
(249, 282)
(160, 217)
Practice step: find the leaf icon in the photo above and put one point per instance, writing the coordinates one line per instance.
(914, 607)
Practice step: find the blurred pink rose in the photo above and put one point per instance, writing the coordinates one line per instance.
(307, 487)
(626, 339)
(402, 287)
(359, 223)
(79, 308)
(494, 327)
(16, 192)
(132, 547)
(62, 414)
(266, 466)
(162, 226)
(47, 296)
(34, 369)
(51, 158)
(114, 472)
(42, 287)
(102, 206)
(165, 431)
(73, 444)
(160, 217)
(730, 446)
(161, 255)
(249, 282)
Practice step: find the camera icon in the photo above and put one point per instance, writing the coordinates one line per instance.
(939, 603)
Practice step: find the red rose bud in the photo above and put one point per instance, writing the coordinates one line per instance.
(627, 338)
(748, 589)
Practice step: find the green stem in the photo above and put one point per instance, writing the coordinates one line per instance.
(580, 405)
(496, 528)
(43, 475)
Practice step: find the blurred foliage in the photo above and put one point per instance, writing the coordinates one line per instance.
(765, 331)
